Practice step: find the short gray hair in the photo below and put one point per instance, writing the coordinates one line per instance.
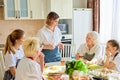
(95, 36)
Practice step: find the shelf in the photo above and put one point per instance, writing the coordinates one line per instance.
(1, 4)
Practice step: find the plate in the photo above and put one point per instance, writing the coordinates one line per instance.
(94, 66)
(54, 69)
(104, 73)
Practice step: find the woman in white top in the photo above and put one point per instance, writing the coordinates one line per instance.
(112, 55)
(28, 68)
(13, 52)
(50, 37)
(91, 51)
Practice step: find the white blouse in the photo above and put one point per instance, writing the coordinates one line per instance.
(97, 49)
(48, 37)
(116, 61)
(28, 69)
(11, 59)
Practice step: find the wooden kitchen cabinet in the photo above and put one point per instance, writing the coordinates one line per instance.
(61, 7)
(1, 13)
(24, 9)
(37, 9)
(17, 9)
(1, 10)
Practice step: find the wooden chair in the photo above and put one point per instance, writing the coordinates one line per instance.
(68, 52)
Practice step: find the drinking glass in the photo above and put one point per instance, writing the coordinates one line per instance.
(62, 62)
(73, 56)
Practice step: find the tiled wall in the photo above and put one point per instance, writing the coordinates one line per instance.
(31, 27)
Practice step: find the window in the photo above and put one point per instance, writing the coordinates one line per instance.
(109, 20)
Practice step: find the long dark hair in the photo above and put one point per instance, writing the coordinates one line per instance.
(11, 38)
(51, 16)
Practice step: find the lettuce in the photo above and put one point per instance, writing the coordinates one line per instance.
(76, 65)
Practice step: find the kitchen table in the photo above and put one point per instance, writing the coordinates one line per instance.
(103, 73)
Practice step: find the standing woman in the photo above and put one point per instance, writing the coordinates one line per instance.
(13, 53)
(50, 37)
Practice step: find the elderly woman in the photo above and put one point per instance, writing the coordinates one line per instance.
(91, 50)
(28, 68)
(112, 55)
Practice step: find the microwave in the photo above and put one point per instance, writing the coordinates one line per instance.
(63, 28)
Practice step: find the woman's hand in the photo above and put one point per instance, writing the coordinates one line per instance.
(108, 53)
(41, 56)
(61, 46)
(40, 60)
(13, 70)
(107, 61)
(78, 56)
(111, 65)
(51, 47)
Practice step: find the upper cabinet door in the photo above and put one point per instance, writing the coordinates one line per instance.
(23, 9)
(37, 9)
(17, 9)
(10, 9)
(61, 7)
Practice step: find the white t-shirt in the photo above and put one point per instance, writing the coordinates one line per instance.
(116, 61)
(97, 49)
(28, 69)
(11, 59)
(49, 37)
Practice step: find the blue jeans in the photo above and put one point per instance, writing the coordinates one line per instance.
(52, 55)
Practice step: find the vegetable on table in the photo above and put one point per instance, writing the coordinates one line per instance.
(76, 65)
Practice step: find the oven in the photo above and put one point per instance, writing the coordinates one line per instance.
(67, 39)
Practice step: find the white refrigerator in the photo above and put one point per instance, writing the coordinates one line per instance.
(82, 24)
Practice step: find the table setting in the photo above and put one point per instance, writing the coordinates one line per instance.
(78, 70)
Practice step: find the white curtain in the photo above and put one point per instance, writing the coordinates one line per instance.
(109, 20)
